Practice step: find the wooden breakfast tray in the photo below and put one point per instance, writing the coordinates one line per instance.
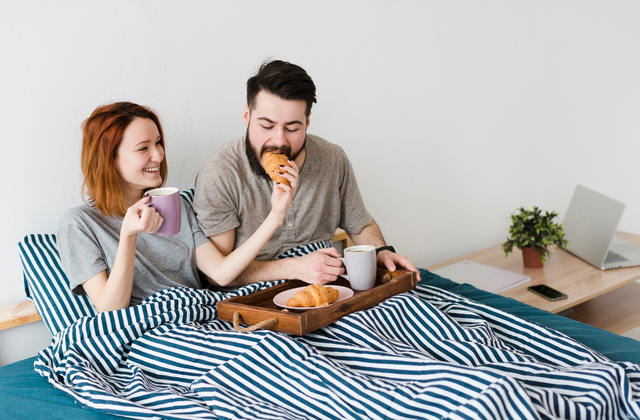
(259, 306)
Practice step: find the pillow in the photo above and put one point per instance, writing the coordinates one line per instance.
(47, 286)
(187, 195)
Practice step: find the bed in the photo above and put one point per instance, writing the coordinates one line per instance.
(26, 394)
(442, 350)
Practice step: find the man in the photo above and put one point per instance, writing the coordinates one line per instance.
(233, 190)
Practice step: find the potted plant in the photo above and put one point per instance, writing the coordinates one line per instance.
(534, 233)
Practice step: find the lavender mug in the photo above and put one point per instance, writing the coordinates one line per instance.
(166, 201)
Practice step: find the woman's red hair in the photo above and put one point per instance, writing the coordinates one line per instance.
(101, 135)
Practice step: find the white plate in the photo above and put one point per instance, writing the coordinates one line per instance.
(281, 298)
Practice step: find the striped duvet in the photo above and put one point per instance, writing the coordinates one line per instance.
(424, 354)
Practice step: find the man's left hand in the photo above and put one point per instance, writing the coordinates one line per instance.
(391, 260)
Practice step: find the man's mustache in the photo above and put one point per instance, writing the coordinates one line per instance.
(284, 149)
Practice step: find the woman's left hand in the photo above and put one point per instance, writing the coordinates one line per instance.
(282, 194)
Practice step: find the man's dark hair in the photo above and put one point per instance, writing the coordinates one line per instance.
(284, 80)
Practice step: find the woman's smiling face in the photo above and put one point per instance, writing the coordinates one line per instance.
(138, 158)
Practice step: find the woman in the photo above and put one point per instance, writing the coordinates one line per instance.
(108, 247)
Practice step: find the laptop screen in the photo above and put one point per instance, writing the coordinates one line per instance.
(590, 224)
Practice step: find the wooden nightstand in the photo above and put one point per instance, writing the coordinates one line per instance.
(607, 299)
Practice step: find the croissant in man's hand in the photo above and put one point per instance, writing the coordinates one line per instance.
(314, 295)
(272, 162)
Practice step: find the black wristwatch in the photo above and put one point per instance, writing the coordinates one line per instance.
(387, 247)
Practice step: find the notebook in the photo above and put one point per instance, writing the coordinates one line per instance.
(590, 226)
(485, 277)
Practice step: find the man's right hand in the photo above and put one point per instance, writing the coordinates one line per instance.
(319, 267)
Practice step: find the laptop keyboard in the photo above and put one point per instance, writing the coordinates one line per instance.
(613, 257)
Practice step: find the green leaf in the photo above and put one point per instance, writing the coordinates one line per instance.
(533, 229)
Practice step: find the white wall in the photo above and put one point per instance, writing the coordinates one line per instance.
(453, 113)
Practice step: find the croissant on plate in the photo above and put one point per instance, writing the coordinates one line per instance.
(272, 162)
(314, 295)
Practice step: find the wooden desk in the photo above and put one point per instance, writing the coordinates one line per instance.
(605, 299)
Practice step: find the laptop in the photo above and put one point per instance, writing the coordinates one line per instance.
(590, 226)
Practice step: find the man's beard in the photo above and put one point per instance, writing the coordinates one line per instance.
(254, 160)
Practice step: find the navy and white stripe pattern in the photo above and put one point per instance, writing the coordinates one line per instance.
(47, 285)
(423, 354)
(303, 250)
(187, 195)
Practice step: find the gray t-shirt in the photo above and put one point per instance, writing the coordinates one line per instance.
(88, 242)
(229, 195)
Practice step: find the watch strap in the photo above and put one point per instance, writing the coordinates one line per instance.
(386, 247)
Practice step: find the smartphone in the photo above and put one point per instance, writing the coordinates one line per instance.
(547, 292)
